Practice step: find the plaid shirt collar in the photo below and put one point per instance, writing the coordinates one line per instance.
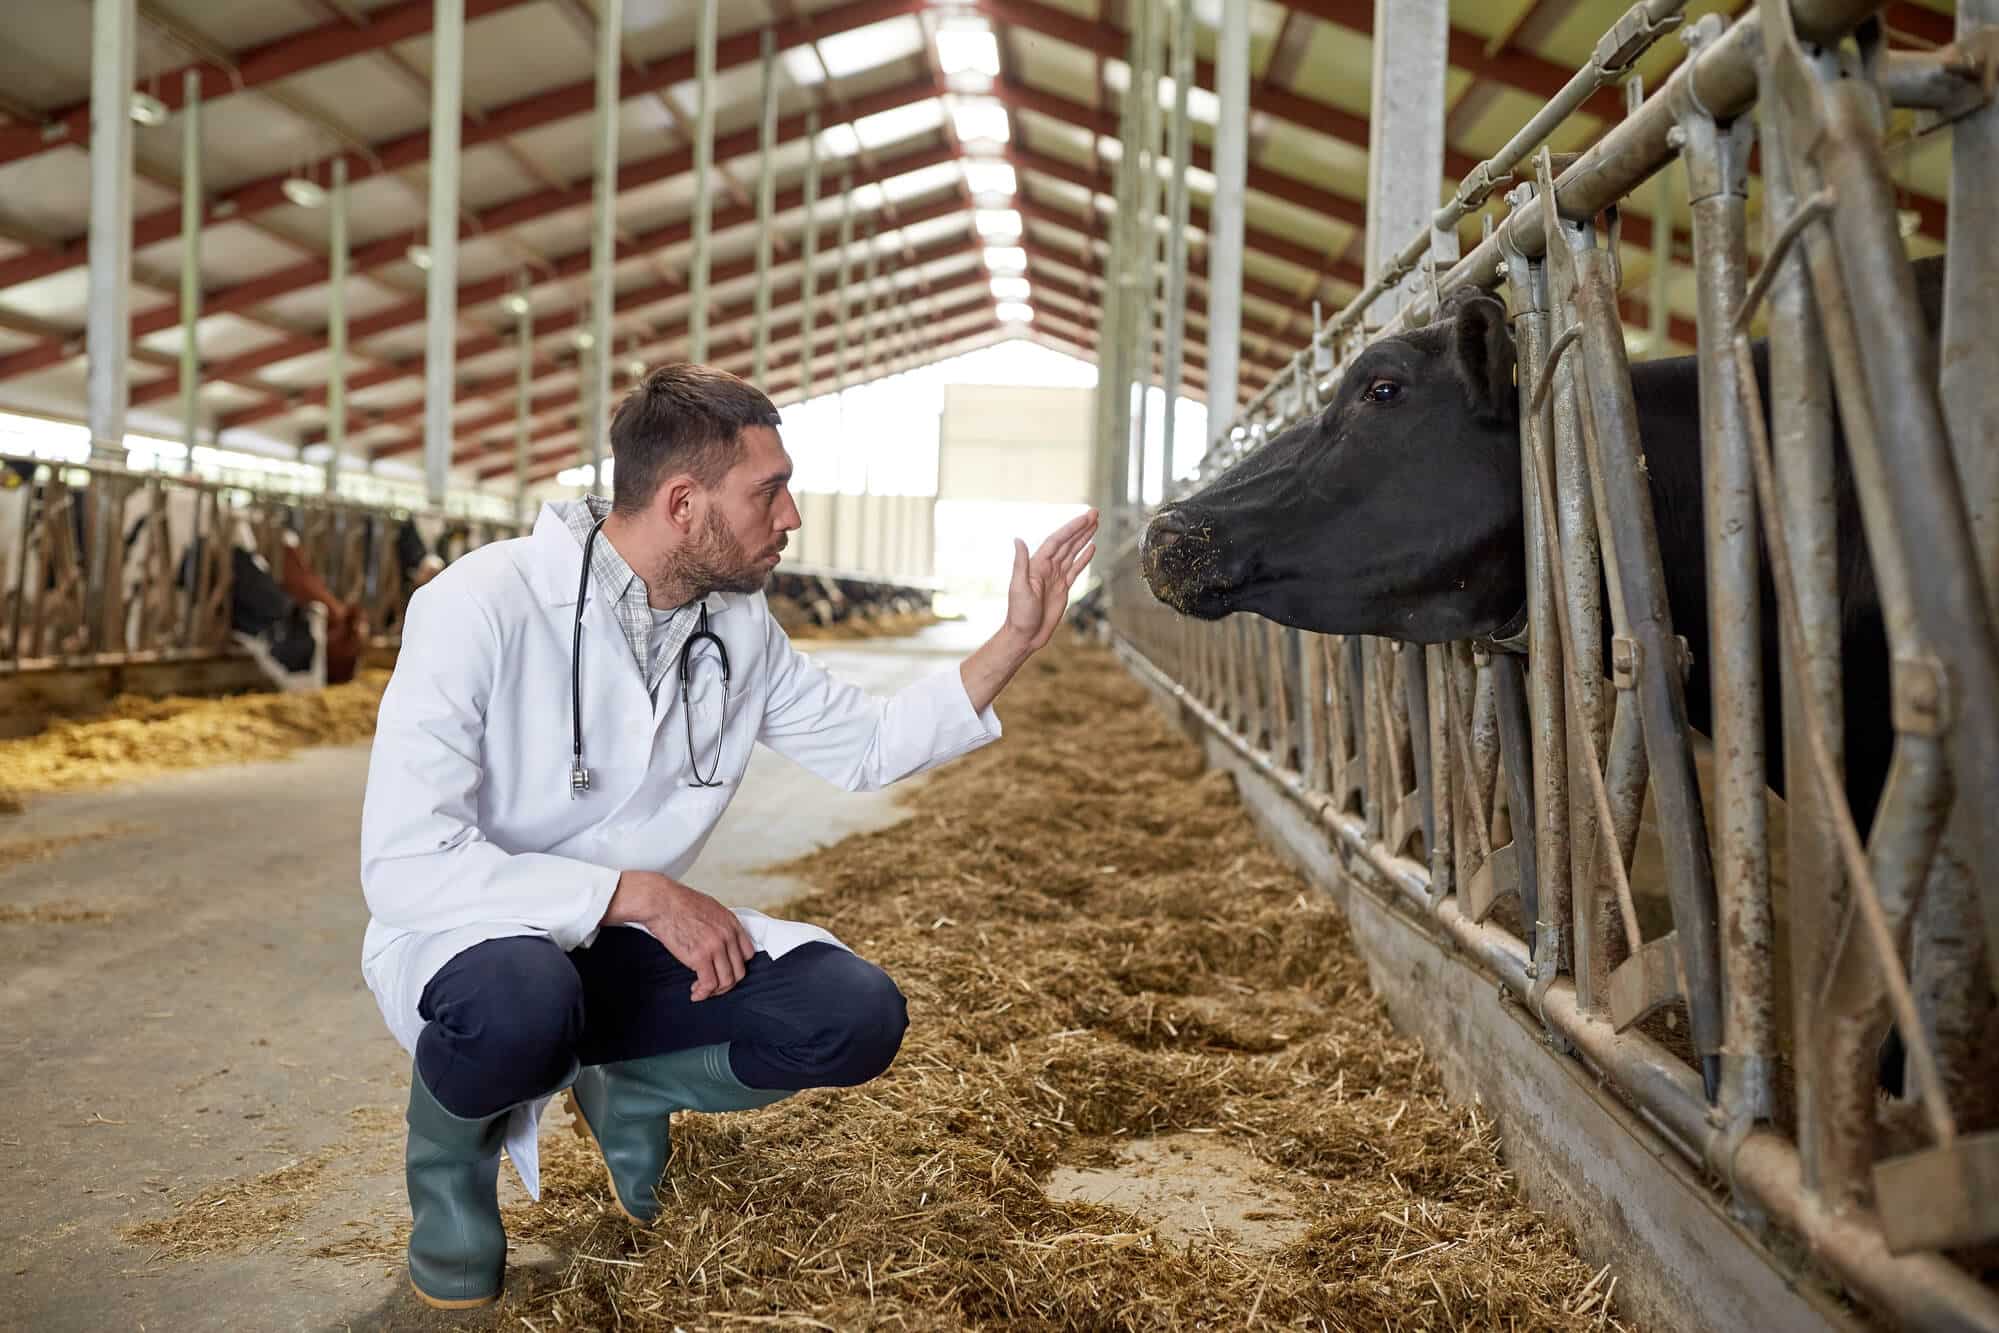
(625, 592)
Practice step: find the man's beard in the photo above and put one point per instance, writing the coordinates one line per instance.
(717, 562)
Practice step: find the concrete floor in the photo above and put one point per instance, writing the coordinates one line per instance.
(215, 1026)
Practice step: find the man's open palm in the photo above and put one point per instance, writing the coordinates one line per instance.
(1040, 591)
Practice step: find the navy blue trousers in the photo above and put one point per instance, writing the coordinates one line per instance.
(505, 1018)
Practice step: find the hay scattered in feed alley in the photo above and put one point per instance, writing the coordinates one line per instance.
(1095, 948)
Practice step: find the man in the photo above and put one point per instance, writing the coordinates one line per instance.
(525, 828)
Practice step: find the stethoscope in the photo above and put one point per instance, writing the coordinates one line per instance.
(579, 776)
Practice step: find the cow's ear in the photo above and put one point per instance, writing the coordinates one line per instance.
(1482, 355)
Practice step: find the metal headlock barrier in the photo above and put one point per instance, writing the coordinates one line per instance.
(1458, 777)
(163, 593)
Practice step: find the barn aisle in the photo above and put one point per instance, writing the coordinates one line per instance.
(179, 967)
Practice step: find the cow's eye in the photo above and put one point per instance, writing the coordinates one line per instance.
(1384, 391)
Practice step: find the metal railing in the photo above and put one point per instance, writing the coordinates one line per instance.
(1501, 788)
(165, 593)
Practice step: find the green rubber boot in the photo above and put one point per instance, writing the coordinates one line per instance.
(625, 1108)
(458, 1248)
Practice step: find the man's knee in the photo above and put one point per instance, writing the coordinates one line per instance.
(505, 1017)
(865, 1018)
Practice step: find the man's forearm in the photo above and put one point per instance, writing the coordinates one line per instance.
(987, 671)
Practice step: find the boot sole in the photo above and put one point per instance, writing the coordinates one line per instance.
(583, 1128)
(436, 1304)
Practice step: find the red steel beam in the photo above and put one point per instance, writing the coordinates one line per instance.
(281, 58)
(576, 99)
(579, 262)
(783, 335)
(955, 330)
(722, 317)
(514, 212)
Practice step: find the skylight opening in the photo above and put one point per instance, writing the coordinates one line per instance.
(1014, 311)
(1011, 289)
(1006, 259)
(998, 223)
(967, 46)
(987, 179)
(979, 120)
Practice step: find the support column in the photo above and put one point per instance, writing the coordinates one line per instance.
(110, 276)
(704, 170)
(441, 306)
(190, 264)
(108, 328)
(840, 367)
(1405, 149)
(336, 329)
(1145, 266)
(1176, 232)
(603, 235)
(808, 255)
(523, 385)
(1225, 217)
(766, 204)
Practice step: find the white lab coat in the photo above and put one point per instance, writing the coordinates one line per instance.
(468, 829)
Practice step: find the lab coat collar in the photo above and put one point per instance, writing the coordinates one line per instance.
(553, 560)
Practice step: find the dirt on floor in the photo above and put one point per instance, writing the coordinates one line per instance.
(1104, 969)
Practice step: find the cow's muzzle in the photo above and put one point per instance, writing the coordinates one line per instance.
(1182, 564)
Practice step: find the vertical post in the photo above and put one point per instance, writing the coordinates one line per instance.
(1176, 231)
(1717, 160)
(1971, 313)
(523, 378)
(441, 305)
(808, 252)
(1225, 234)
(1801, 421)
(336, 329)
(1120, 282)
(766, 202)
(1145, 268)
(108, 339)
(1658, 318)
(868, 270)
(704, 170)
(1405, 149)
(190, 264)
(108, 324)
(603, 239)
(840, 366)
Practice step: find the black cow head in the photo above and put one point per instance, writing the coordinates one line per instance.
(1395, 511)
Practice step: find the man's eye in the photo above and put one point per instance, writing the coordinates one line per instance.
(1384, 391)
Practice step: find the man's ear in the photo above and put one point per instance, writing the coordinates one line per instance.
(1481, 352)
(674, 501)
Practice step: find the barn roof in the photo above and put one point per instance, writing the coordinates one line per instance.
(940, 116)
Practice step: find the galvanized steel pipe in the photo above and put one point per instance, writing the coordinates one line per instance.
(441, 292)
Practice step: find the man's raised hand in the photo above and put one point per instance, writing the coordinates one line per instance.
(1040, 590)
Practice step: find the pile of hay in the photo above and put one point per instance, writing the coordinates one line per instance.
(137, 737)
(1095, 948)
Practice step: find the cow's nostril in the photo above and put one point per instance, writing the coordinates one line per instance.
(1163, 533)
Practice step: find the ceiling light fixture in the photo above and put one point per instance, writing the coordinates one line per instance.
(304, 192)
(148, 109)
(514, 304)
(418, 255)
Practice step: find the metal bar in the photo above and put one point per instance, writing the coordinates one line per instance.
(766, 196)
(1181, 140)
(596, 366)
(107, 329)
(523, 379)
(190, 266)
(1899, 361)
(446, 88)
(336, 329)
(1717, 162)
(808, 254)
(1660, 693)
(1919, 1290)
(704, 171)
(1145, 269)
(1225, 270)
(1405, 150)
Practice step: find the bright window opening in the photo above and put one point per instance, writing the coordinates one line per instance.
(1006, 259)
(990, 178)
(1015, 310)
(997, 224)
(979, 120)
(967, 48)
(1011, 289)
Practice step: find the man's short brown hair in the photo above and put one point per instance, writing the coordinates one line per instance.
(682, 417)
